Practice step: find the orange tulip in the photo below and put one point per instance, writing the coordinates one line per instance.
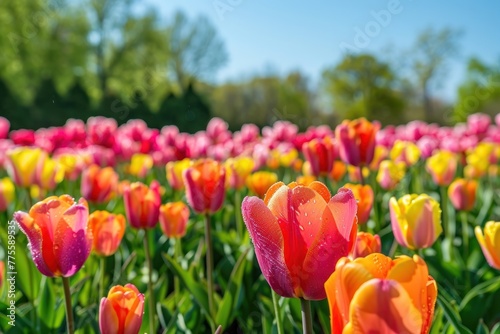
(108, 230)
(364, 196)
(356, 140)
(376, 294)
(320, 153)
(489, 242)
(462, 194)
(174, 170)
(99, 185)
(260, 182)
(305, 180)
(142, 204)
(366, 244)
(121, 312)
(338, 170)
(205, 186)
(59, 237)
(299, 233)
(173, 219)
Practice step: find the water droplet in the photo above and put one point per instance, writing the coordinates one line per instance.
(301, 227)
(305, 214)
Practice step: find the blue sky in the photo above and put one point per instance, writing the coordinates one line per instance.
(306, 35)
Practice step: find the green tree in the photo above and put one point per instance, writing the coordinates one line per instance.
(362, 86)
(480, 92)
(429, 57)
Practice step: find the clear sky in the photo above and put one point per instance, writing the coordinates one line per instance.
(307, 35)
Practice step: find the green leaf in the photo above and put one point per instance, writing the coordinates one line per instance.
(50, 310)
(227, 307)
(482, 328)
(496, 329)
(480, 289)
(452, 315)
(197, 290)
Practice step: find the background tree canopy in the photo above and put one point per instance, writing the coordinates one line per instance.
(75, 59)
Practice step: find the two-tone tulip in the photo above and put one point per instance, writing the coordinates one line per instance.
(108, 230)
(121, 311)
(406, 152)
(364, 195)
(299, 233)
(462, 194)
(205, 186)
(259, 182)
(390, 174)
(98, 184)
(50, 174)
(23, 164)
(442, 166)
(376, 294)
(237, 171)
(320, 153)
(356, 140)
(366, 244)
(142, 204)
(7, 191)
(58, 234)
(489, 242)
(415, 220)
(140, 165)
(173, 219)
(174, 170)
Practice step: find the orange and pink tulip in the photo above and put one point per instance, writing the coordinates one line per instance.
(121, 311)
(99, 185)
(320, 153)
(356, 140)
(364, 195)
(259, 182)
(299, 233)
(58, 233)
(205, 186)
(376, 294)
(142, 204)
(173, 219)
(108, 230)
(462, 194)
(366, 244)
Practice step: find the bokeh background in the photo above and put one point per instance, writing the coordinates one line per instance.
(183, 62)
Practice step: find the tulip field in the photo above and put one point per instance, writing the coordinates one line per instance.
(353, 228)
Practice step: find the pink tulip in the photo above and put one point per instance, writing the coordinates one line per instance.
(478, 124)
(4, 127)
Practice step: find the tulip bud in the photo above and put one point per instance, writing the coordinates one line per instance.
(415, 220)
(142, 204)
(174, 171)
(442, 166)
(108, 230)
(364, 196)
(260, 182)
(356, 140)
(173, 219)
(390, 174)
(489, 242)
(237, 171)
(122, 310)
(140, 165)
(462, 194)
(99, 185)
(22, 164)
(366, 244)
(7, 191)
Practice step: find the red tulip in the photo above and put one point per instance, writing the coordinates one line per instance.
(142, 204)
(205, 186)
(356, 140)
(60, 241)
(121, 312)
(99, 185)
(299, 233)
(320, 153)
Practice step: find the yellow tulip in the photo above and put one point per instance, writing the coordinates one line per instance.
(7, 192)
(140, 164)
(174, 171)
(406, 152)
(490, 242)
(390, 174)
(22, 164)
(237, 171)
(442, 166)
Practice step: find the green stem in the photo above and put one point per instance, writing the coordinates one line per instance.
(210, 265)
(444, 207)
(150, 283)
(465, 238)
(361, 176)
(277, 313)
(394, 246)
(178, 256)
(70, 325)
(307, 327)
(102, 261)
(237, 212)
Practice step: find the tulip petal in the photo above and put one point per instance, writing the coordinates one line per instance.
(268, 241)
(27, 225)
(194, 197)
(108, 319)
(135, 301)
(343, 207)
(383, 306)
(72, 246)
